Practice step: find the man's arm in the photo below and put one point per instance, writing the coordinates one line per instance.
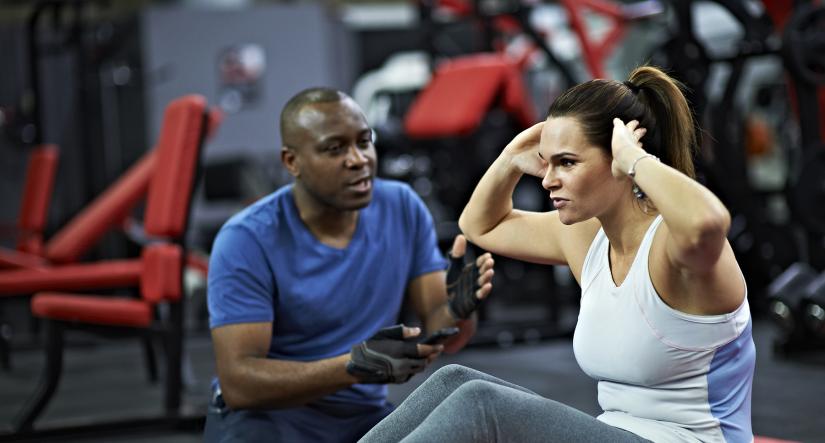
(428, 297)
(249, 380)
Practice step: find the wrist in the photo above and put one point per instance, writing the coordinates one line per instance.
(632, 160)
(507, 165)
(345, 361)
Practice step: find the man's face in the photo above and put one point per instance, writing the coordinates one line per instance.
(333, 158)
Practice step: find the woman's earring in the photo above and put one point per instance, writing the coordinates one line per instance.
(637, 192)
(640, 195)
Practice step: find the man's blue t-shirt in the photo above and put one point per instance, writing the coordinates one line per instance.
(266, 266)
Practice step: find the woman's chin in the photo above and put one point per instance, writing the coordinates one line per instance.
(565, 217)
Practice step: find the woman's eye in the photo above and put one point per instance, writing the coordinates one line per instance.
(566, 162)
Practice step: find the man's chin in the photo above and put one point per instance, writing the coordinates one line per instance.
(357, 202)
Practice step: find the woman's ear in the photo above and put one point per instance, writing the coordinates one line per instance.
(290, 161)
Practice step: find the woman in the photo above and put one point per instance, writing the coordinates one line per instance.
(664, 324)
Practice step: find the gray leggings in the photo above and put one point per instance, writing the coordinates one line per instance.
(459, 404)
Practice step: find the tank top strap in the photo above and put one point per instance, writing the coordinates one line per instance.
(595, 260)
(647, 242)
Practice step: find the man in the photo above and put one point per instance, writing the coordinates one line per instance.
(304, 283)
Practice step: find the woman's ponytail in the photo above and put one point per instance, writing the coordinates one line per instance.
(664, 98)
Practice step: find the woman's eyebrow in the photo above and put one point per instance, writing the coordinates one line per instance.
(562, 154)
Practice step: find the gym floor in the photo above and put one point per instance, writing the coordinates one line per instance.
(108, 381)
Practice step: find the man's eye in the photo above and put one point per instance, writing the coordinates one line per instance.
(333, 149)
(365, 143)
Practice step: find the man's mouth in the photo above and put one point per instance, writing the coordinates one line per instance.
(361, 185)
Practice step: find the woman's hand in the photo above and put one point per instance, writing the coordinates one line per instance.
(625, 145)
(523, 151)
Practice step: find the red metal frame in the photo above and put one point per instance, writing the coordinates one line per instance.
(595, 52)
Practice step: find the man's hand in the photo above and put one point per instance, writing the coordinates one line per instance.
(392, 355)
(467, 283)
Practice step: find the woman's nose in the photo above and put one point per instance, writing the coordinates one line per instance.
(549, 181)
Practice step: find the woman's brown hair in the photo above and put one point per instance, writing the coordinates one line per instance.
(649, 96)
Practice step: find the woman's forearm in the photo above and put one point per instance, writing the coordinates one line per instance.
(694, 215)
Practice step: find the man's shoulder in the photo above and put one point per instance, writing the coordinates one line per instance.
(387, 190)
(264, 214)
(390, 186)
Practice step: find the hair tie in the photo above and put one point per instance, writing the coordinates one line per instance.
(633, 88)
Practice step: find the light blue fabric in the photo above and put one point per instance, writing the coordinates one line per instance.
(729, 393)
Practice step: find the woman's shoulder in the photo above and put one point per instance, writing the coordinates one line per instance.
(720, 290)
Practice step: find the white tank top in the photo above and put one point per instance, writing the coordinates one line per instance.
(662, 374)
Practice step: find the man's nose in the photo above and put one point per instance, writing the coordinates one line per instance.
(355, 157)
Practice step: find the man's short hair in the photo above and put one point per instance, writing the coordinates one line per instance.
(289, 115)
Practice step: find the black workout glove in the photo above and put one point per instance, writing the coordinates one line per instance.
(462, 284)
(386, 357)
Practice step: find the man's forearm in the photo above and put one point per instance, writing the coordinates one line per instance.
(262, 383)
(441, 317)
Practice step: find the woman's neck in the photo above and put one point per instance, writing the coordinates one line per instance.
(625, 226)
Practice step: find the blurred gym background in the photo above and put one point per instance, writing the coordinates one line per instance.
(89, 87)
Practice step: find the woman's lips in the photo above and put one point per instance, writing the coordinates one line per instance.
(560, 203)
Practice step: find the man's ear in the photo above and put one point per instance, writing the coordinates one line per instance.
(290, 161)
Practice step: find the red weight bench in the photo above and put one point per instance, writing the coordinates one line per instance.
(463, 90)
(37, 192)
(160, 275)
(157, 273)
(183, 131)
(72, 241)
(38, 187)
(109, 210)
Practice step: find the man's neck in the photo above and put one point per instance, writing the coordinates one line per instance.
(331, 226)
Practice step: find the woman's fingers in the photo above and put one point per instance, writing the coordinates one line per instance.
(531, 135)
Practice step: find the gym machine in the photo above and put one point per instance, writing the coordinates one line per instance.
(797, 296)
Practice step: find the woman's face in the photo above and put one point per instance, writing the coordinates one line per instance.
(578, 173)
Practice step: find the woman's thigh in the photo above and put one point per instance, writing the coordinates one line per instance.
(481, 410)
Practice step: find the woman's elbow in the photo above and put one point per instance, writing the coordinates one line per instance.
(715, 224)
(465, 226)
(708, 241)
